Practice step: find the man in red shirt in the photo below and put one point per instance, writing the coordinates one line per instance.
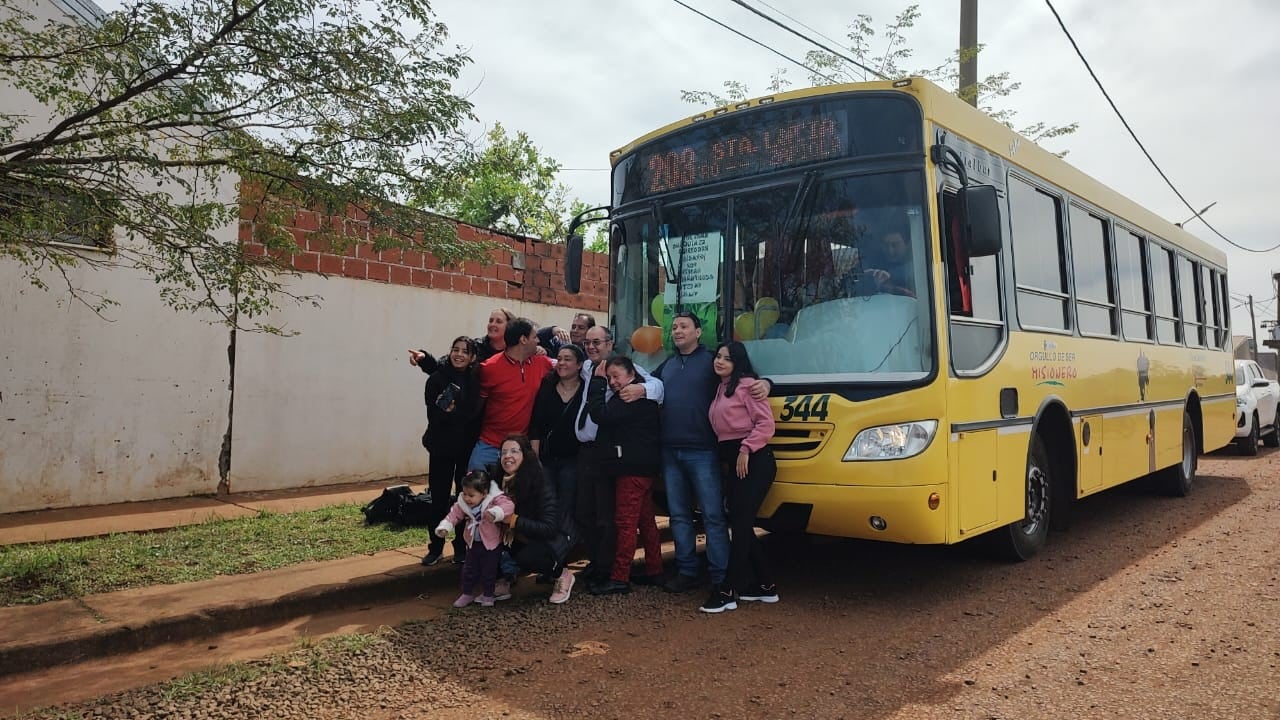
(508, 385)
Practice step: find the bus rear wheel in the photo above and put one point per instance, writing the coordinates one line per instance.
(1021, 540)
(1177, 480)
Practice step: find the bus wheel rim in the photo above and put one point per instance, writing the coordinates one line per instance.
(1188, 455)
(1037, 498)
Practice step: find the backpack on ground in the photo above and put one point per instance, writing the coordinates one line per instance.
(398, 504)
(416, 511)
(386, 507)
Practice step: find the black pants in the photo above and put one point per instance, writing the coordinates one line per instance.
(444, 478)
(535, 557)
(747, 566)
(595, 510)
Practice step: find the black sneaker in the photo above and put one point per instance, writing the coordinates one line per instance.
(431, 558)
(760, 593)
(681, 584)
(646, 580)
(719, 601)
(610, 587)
(459, 558)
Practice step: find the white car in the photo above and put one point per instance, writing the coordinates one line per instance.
(1256, 401)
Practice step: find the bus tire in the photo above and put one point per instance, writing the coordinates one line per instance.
(1272, 439)
(1177, 480)
(1249, 445)
(1021, 540)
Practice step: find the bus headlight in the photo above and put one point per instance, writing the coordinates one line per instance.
(889, 442)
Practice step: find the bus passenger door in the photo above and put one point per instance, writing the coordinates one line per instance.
(1089, 447)
(976, 486)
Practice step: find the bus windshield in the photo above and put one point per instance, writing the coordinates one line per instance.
(826, 282)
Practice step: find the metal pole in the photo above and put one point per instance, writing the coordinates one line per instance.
(1253, 328)
(968, 48)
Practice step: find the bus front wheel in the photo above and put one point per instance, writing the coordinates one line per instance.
(1023, 539)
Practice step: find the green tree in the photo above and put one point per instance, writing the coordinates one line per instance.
(323, 103)
(504, 182)
(891, 62)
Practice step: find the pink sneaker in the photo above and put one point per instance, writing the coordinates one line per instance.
(485, 600)
(502, 590)
(564, 586)
(464, 600)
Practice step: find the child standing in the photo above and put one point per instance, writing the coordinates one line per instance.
(482, 504)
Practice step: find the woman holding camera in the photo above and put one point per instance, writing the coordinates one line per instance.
(452, 395)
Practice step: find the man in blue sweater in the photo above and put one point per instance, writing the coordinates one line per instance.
(690, 466)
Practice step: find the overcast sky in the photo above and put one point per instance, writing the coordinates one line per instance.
(1198, 82)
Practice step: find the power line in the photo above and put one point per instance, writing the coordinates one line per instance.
(802, 36)
(743, 35)
(793, 19)
(1134, 135)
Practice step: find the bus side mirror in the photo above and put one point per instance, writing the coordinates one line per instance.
(981, 230)
(573, 264)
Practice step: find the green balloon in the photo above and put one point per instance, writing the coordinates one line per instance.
(657, 307)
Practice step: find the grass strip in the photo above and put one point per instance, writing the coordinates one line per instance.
(42, 572)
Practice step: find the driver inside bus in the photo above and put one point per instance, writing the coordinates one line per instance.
(890, 268)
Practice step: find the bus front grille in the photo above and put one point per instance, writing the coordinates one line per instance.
(797, 441)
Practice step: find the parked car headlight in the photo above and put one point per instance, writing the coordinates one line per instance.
(889, 442)
(1241, 402)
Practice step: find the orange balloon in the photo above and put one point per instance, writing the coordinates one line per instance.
(647, 339)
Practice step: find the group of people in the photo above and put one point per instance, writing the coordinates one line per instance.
(550, 441)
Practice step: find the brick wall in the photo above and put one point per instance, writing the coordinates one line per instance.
(523, 269)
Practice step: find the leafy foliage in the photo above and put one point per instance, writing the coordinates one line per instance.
(504, 182)
(146, 118)
(892, 62)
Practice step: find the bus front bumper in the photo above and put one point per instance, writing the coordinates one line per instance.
(892, 514)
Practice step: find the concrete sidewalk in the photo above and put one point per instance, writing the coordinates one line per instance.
(68, 631)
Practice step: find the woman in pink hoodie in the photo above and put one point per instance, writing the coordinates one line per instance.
(482, 504)
(743, 425)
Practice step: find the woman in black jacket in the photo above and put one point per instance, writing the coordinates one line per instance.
(630, 434)
(452, 395)
(539, 538)
(553, 432)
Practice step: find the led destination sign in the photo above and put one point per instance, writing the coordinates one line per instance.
(753, 149)
(762, 140)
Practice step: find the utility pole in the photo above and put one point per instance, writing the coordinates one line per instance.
(1253, 328)
(968, 51)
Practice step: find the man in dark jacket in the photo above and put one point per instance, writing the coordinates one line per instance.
(690, 464)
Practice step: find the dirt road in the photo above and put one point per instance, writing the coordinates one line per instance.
(1148, 607)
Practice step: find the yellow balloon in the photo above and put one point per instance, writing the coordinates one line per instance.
(767, 313)
(657, 307)
(744, 326)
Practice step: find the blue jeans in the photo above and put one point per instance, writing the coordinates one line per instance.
(482, 456)
(693, 474)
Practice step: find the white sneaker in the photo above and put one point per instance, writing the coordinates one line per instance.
(564, 586)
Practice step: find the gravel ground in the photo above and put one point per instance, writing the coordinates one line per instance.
(1148, 607)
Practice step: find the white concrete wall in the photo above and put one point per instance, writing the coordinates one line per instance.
(340, 402)
(93, 410)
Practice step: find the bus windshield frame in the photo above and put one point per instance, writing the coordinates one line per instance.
(822, 271)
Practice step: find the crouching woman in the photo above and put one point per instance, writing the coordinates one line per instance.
(539, 535)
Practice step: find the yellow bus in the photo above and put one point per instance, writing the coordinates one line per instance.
(965, 333)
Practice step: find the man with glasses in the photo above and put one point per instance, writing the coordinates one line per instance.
(690, 464)
(595, 487)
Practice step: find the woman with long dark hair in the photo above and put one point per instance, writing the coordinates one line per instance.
(552, 430)
(538, 539)
(452, 394)
(743, 425)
